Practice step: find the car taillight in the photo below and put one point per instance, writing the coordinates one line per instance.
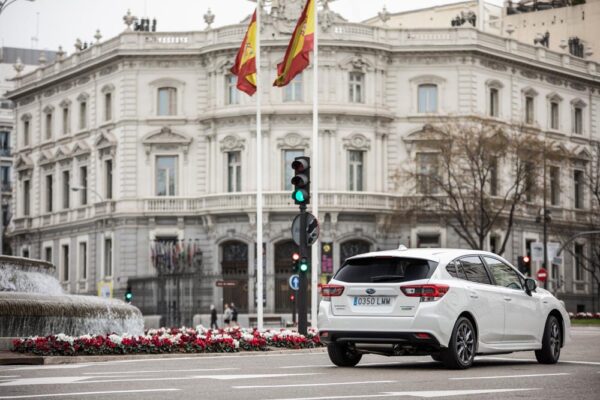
(425, 292)
(331, 290)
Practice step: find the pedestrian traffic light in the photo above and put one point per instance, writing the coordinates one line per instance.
(304, 265)
(128, 294)
(292, 297)
(301, 180)
(295, 261)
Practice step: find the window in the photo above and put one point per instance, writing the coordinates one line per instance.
(428, 98)
(494, 244)
(108, 257)
(65, 262)
(66, 186)
(5, 143)
(529, 110)
(578, 189)
(82, 115)
(48, 254)
(166, 175)
(427, 172)
(293, 91)
(578, 261)
(49, 193)
(494, 106)
(529, 181)
(49, 125)
(554, 186)
(475, 270)
(494, 176)
(372, 270)
(503, 274)
(83, 189)
(167, 101)
(82, 260)
(66, 120)
(26, 133)
(356, 80)
(578, 120)
(355, 170)
(26, 197)
(428, 240)
(108, 170)
(25, 252)
(554, 112)
(234, 171)
(231, 89)
(5, 177)
(288, 159)
(455, 270)
(107, 106)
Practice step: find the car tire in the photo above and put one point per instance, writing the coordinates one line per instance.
(551, 342)
(462, 347)
(342, 355)
(436, 357)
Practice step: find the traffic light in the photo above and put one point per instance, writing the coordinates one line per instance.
(292, 297)
(304, 266)
(301, 180)
(524, 264)
(295, 261)
(128, 294)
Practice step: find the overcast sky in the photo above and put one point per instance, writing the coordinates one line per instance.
(61, 22)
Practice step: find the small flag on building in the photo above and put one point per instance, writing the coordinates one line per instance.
(245, 62)
(301, 44)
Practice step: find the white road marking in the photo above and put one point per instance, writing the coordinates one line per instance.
(35, 396)
(64, 366)
(507, 376)
(307, 366)
(161, 371)
(425, 394)
(310, 384)
(223, 357)
(533, 359)
(53, 380)
(82, 379)
(9, 376)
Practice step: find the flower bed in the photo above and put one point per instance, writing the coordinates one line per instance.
(168, 340)
(585, 316)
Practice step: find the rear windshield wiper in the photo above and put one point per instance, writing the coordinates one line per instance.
(382, 278)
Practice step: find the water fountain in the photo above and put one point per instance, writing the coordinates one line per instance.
(32, 303)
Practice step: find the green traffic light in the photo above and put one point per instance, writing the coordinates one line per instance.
(299, 196)
(304, 266)
(128, 296)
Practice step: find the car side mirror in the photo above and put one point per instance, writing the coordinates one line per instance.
(530, 286)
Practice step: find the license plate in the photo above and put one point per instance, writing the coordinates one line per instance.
(372, 301)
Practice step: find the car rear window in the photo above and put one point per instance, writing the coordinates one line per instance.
(379, 269)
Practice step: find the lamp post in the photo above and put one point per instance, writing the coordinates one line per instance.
(6, 3)
(81, 188)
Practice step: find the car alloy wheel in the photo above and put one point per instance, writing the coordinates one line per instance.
(555, 339)
(465, 343)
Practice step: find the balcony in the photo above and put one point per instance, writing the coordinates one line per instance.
(6, 187)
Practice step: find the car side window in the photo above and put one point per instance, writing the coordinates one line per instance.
(454, 268)
(503, 274)
(475, 270)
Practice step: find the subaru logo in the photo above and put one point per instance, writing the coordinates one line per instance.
(370, 291)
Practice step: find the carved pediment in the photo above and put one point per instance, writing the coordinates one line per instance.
(232, 143)
(104, 140)
(46, 157)
(108, 88)
(293, 141)
(62, 153)
(578, 103)
(48, 109)
(581, 153)
(80, 148)
(357, 142)
(554, 96)
(83, 97)
(357, 63)
(166, 136)
(26, 117)
(65, 103)
(23, 162)
(426, 134)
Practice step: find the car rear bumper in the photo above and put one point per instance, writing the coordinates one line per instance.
(421, 340)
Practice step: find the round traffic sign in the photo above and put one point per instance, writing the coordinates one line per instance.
(312, 229)
(294, 282)
(542, 274)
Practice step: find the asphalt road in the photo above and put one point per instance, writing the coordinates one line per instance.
(304, 375)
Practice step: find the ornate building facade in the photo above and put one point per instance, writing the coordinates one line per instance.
(139, 164)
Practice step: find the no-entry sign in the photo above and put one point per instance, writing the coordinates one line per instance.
(542, 274)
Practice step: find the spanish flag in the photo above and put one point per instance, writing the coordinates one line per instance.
(245, 62)
(301, 44)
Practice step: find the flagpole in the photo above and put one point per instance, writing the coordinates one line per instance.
(315, 268)
(259, 199)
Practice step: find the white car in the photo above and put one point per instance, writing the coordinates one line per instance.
(446, 303)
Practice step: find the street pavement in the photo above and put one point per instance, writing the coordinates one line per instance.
(310, 375)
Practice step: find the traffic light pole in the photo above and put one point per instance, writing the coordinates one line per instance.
(302, 291)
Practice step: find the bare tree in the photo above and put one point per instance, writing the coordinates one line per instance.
(476, 174)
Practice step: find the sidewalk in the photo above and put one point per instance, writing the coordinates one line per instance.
(11, 358)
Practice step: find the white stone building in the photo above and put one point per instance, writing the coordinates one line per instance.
(149, 129)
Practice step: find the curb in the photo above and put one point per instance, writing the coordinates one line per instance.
(10, 358)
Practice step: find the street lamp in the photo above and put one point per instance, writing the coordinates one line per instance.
(6, 3)
(81, 188)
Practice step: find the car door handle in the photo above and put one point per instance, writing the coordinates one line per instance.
(473, 295)
(508, 298)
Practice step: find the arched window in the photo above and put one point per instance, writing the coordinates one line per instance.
(353, 247)
(428, 98)
(167, 101)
